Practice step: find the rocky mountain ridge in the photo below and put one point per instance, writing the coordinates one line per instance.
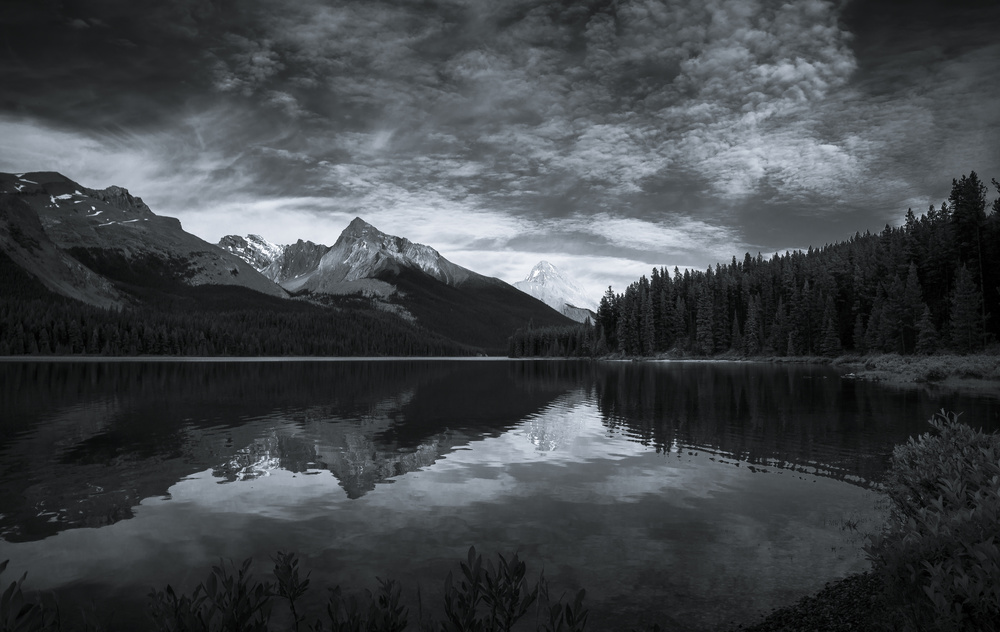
(411, 280)
(107, 248)
(109, 236)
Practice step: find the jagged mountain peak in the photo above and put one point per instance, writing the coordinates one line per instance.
(359, 224)
(363, 253)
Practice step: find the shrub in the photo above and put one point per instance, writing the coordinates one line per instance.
(939, 556)
(17, 613)
(489, 597)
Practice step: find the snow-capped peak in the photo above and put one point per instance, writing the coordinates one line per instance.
(543, 270)
(253, 249)
(271, 250)
(545, 283)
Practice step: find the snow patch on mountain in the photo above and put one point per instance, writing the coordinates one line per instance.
(548, 285)
(253, 249)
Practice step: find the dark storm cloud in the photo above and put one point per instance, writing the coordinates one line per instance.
(617, 135)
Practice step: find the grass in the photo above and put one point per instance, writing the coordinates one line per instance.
(926, 369)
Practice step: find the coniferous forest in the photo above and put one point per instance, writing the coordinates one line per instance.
(929, 285)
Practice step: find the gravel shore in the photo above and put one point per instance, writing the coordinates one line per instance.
(851, 604)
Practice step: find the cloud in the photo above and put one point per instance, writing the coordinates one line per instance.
(645, 131)
(248, 66)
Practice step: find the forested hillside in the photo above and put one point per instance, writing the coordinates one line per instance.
(928, 285)
(202, 321)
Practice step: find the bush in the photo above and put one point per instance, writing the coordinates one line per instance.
(17, 613)
(938, 557)
(488, 597)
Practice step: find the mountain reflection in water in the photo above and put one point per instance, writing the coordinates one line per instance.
(83, 443)
(686, 494)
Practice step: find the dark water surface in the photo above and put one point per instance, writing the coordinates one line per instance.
(692, 495)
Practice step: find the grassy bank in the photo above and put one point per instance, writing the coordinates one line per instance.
(974, 371)
(945, 370)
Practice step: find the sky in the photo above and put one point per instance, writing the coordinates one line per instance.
(607, 137)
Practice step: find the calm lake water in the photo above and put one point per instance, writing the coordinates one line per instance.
(693, 495)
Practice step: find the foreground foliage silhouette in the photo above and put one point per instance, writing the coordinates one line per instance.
(939, 556)
(486, 597)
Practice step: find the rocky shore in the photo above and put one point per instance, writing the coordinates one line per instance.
(849, 605)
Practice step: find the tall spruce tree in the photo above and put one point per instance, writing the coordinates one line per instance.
(830, 341)
(966, 305)
(927, 336)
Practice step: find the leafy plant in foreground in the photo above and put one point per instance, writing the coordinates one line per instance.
(19, 615)
(227, 601)
(501, 587)
(939, 556)
(489, 597)
(381, 611)
(290, 586)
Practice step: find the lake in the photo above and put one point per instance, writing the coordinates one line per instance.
(690, 494)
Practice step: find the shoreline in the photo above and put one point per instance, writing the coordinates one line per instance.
(844, 605)
(972, 373)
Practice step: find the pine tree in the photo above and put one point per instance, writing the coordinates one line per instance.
(751, 332)
(966, 305)
(927, 336)
(780, 334)
(859, 334)
(830, 341)
(680, 324)
(911, 309)
(648, 333)
(704, 323)
(607, 317)
(736, 341)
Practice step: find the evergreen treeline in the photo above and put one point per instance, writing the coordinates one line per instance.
(571, 341)
(66, 328)
(204, 321)
(928, 285)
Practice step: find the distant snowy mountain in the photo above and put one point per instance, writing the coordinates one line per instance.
(411, 280)
(545, 283)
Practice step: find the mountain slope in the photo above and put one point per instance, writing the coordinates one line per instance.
(25, 244)
(116, 235)
(545, 283)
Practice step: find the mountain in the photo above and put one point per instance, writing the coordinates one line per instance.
(117, 236)
(411, 280)
(173, 293)
(276, 262)
(363, 253)
(545, 283)
(253, 249)
(27, 254)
